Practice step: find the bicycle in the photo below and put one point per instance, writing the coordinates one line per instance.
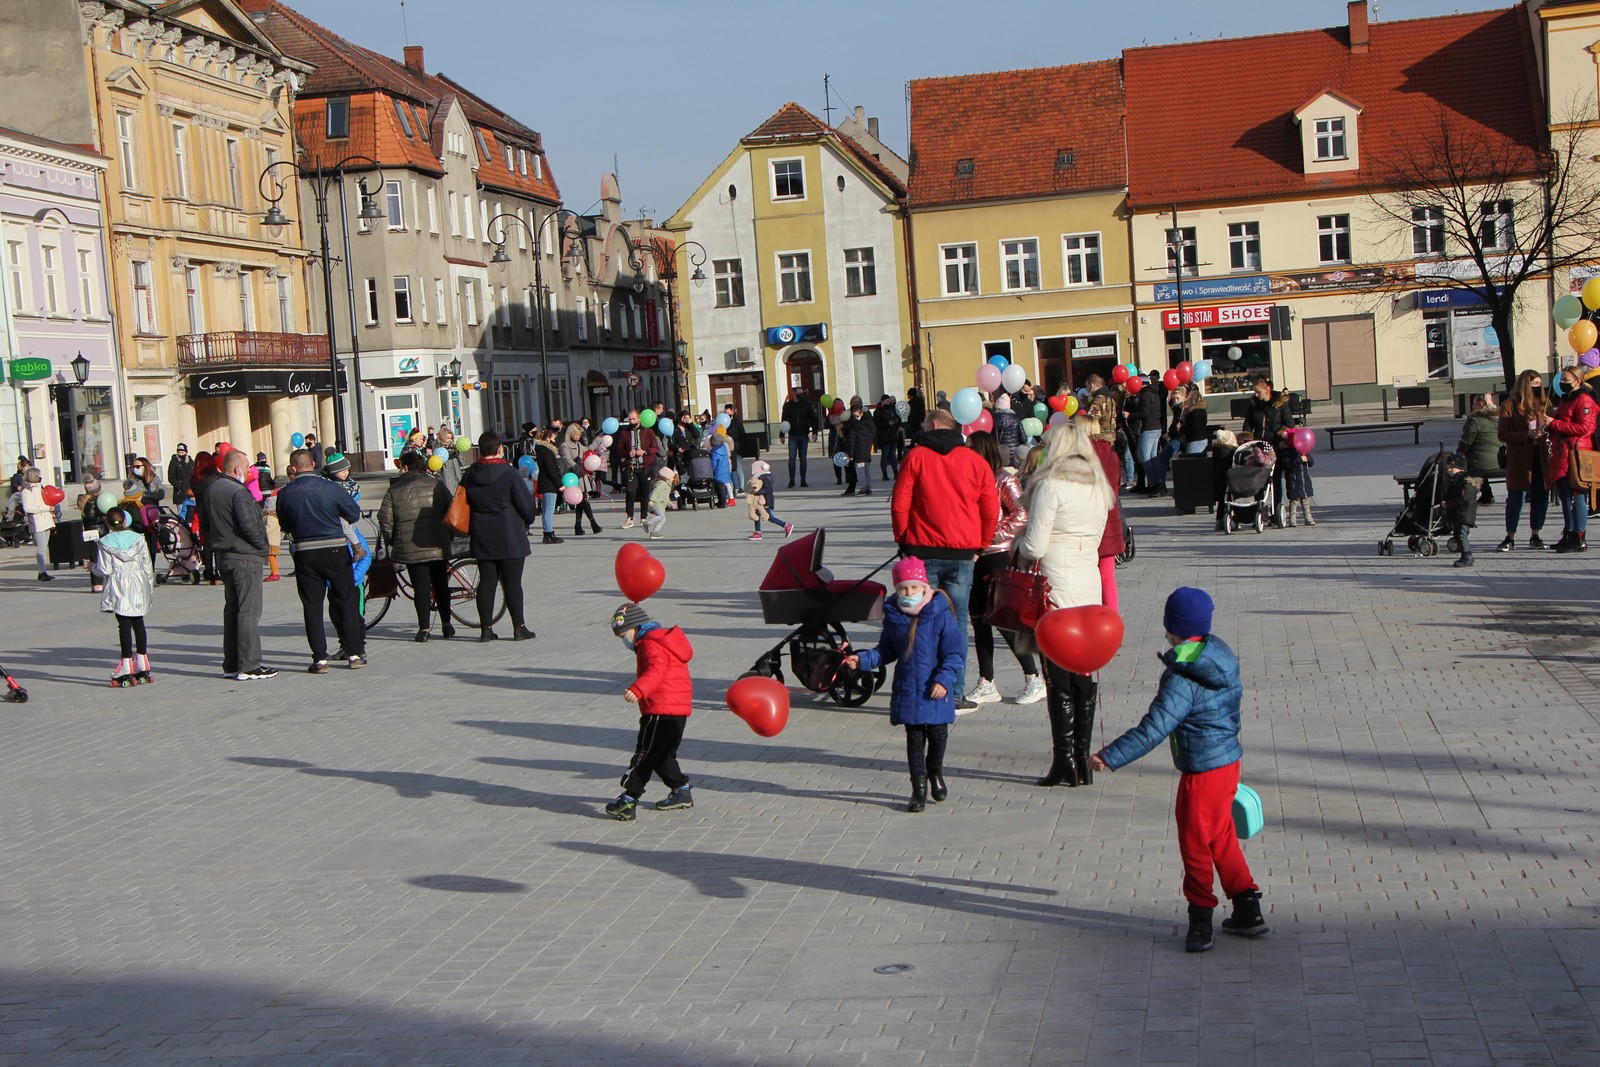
(388, 580)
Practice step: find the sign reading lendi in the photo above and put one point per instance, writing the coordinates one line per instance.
(260, 383)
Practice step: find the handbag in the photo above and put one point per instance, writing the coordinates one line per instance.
(1019, 598)
(459, 516)
(1584, 470)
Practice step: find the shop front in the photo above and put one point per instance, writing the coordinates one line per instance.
(1235, 338)
(1072, 359)
(257, 410)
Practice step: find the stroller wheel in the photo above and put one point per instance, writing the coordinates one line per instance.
(854, 688)
(1227, 521)
(1385, 548)
(1453, 545)
(1414, 543)
(1429, 547)
(1261, 520)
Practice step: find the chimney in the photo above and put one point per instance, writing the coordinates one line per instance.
(1360, 34)
(414, 51)
(872, 128)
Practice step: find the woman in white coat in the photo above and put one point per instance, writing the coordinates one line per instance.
(1068, 498)
(41, 520)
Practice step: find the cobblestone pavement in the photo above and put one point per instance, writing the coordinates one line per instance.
(410, 866)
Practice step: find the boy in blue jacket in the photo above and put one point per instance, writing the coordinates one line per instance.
(920, 632)
(1198, 707)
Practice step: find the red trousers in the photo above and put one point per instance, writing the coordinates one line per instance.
(1206, 836)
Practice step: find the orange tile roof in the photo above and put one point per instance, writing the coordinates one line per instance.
(1212, 121)
(794, 123)
(1018, 133)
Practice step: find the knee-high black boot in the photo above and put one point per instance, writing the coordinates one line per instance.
(1058, 703)
(917, 763)
(938, 736)
(1084, 696)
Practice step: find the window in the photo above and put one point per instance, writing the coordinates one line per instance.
(469, 302)
(86, 281)
(455, 219)
(1498, 229)
(402, 298)
(638, 318)
(1330, 139)
(483, 219)
(552, 316)
(431, 199)
(1182, 252)
(370, 288)
(439, 303)
(503, 312)
(247, 302)
(125, 151)
(860, 272)
(285, 304)
(483, 147)
(144, 298)
(395, 205)
(960, 269)
(338, 116)
(794, 277)
(422, 125)
(1333, 238)
(1427, 230)
(1019, 264)
(180, 159)
(522, 161)
(538, 169)
(272, 157)
(788, 179)
(405, 119)
(581, 306)
(50, 264)
(511, 159)
(196, 306)
(1244, 245)
(235, 180)
(17, 267)
(1080, 254)
(602, 316)
(729, 276)
(625, 320)
(422, 299)
(467, 215)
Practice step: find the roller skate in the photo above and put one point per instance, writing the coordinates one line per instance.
(141, 672)
(122, 678)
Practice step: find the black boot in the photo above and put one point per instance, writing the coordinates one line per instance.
(1466, 549)
(937, 790)
(1576, 544)
(919, 793)
(1058, 703)
(1246, 920)
(1084, 694)
(1199, 938)
(1562, 542)
(938, 737)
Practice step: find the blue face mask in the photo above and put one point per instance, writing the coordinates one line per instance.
(910, 601)
(630, 644)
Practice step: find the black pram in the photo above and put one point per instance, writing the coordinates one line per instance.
(1444, 503)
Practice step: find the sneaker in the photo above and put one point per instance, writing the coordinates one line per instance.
(256, 675)
(965, 706)
(357, 662)
(43, 577)
(1507, 545)
(658, 537)
(788, 528)
(1535, 541)
(1032, 690)
(678, 798)
(622, 809)
(628, 524)
(984, 693)
(318, 667)
(755, 536)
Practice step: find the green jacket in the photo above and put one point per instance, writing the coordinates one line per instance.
(1480, 442)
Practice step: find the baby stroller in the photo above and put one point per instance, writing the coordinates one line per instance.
(14, 530)
(1441, 504)
(179, 546)
(798, 590)
(1251, 499)
(698, 486)
(1129, 550)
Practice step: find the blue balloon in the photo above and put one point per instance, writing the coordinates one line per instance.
(966, 405)
(1202, 370)
(297, 440)
(999, 361)
(608, 426)
(724, 419)
(665, 428)
(442, 453)
(1559, 386)
(528, 464)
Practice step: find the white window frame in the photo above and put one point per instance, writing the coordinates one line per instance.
(469, 301)
(1497, 228)
(1427, 231)
(431, 199)
(17, 267)
(369, 290)
(798, 272)
(468, 216)
(235, 172)
(127, 149)
(963, 257)
(180, 158)
(1183, 253)
(860, 272)
(728, 280)
(420, 296)
(285, 287)
(1331, 139)
(50, 248)
(455, 218)
(552, 316)
(194, 299)
(625, 320)
(144, 296)
(1081, 252)
(772, 177)
(441, 305)
(1014, 253)
(247, 302)
(86, 276)
(403, 310)
(1330, 229)
(394, 204)
(1244, 245)
(581, 305)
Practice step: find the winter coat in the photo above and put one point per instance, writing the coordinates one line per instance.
(149, 495)
(927, 649)
(549, 465)
(1190, 426)
(1480, 443)
(1013, 512)
(800, 416)
(1197, 705)
(944, 504)
(412, 518)
(232, 522)
(572, 457)
(721, 461)
(1520, 445)
(1007, 430)
(310, 509)
(622, 443)
(662, 657)
(1573, 426)
(886, 426)
(661, 496)
(130, 581)
(1266, 418)
(41, 516)
(179, 470)
(1112, 543)
(450, 474)
(1064, 532)
(501, 509)
(1151, 402)
(915, 414)
(855, 438)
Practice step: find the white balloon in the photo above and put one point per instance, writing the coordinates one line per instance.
(1012, 377)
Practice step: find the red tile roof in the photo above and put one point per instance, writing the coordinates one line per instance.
(1212, 121)
(1018, 133)
(794, 123)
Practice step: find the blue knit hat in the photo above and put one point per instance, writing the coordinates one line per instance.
(1188, 612)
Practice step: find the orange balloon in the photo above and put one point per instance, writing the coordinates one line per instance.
(1080, 640)
(763, 703)
(1583, 335)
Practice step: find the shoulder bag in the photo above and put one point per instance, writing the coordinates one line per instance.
(1019, 597)
(459, 515)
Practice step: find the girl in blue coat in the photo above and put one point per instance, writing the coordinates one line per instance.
(921, 638)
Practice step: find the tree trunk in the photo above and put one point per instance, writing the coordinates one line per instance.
(1500, 318)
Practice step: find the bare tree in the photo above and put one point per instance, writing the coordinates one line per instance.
(1502, 213)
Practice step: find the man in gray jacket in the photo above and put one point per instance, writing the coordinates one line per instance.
(236, 532)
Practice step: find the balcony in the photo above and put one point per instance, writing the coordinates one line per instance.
(248, 348)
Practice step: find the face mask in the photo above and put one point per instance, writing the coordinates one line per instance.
(908, 602)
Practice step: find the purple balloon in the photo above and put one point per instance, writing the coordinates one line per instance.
(1590, 358)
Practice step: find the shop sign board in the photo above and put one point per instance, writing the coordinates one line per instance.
(31, 369)
(1223, 315)
(1214, 288)
(260, 383)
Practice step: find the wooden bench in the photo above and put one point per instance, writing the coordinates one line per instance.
(1408, 484)
(1415, 426)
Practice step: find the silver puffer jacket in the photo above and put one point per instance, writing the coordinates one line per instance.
(130, 580)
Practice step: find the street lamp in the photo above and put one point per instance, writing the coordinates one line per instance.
(449, 374)
(666, 263)
(534, 234)
(80, 369)
(321, 179)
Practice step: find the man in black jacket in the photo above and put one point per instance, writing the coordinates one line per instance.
(802, 420)
(180, 468)
(236, 532)
(856, 433)
(1152, 420)
(886, 426)
(310, 509)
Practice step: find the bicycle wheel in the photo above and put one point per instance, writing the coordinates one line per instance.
(464, 594)
(373, 608)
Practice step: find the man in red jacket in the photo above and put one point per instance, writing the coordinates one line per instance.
(945, 510)
(665, 695)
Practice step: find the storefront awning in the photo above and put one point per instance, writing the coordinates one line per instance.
(595, 381)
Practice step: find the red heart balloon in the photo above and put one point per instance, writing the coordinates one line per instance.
(1080, 640)
(52, 495)
(630, 552)
(763, 703)
(639, 574)
(1057, 403)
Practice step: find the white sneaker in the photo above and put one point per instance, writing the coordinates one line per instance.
(628, 525)
(1032, 690)
(984, 693)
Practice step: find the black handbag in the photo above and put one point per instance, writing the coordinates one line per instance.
(1018, 598)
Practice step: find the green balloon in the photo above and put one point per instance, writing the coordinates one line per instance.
(1033, 427)
(1041, 412)
(463, 445)
(568, 480)
(827, 401)
(106, 501)
(647, 418)
(1568, 310)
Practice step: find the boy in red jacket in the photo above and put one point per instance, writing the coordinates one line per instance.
(664, 692)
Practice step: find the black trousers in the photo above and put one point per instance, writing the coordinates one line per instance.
(430, 588)
(656, 753)
(507, 574)
(327, 573)
(925, 748)
(580, 512)
(130, 633)
(636, 490)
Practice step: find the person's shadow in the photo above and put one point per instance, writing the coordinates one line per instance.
(414, 785)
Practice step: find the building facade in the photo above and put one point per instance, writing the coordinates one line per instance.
(805, 256)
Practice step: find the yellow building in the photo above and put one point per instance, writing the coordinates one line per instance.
(803, 241)
(192, 104)
(1018, 224)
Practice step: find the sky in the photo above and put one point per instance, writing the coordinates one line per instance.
(661, 92)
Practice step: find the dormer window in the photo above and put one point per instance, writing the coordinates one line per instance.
(1330, 139)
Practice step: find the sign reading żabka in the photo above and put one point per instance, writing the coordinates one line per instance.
(1224, 315)
(31, 369)
(260, 383)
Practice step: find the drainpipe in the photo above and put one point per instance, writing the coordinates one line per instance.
(911, 293)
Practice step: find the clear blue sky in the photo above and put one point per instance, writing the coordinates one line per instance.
(668, 88)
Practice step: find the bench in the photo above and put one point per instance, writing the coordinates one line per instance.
(1408, 484)
(1415, 426)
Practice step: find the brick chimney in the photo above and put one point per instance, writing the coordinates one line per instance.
(414, 51)
(1360, 33)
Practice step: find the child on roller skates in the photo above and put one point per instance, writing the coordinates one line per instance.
(665, 695)
(661, 494)
(921, 638)
(129, 586)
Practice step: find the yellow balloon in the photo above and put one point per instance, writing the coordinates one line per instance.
(723, 430)
(1071, 407)
(435, 464)
(1582, 336)
(1591, 295)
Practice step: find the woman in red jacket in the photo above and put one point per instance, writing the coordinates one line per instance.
(1571, 428)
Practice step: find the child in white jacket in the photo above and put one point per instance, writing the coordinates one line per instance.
(130, 586)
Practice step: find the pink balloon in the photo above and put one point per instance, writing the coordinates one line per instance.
(984, 421)
(989, 377)
(1304, 440)
(592, 462)
(573, 495)
(605, 440)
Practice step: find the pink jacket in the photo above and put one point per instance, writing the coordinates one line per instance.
(1013, 513)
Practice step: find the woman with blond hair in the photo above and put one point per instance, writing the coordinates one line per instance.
(1068, 498)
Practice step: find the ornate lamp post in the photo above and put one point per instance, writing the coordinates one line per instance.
(539, 299)
(666, 264)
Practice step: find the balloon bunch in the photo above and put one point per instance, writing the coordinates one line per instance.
(1573, 313)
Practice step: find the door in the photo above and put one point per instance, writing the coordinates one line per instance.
(868, 360)
(1053, 369)
(1339, 352)
(805, 372)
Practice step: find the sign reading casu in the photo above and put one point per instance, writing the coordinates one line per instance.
(260, 383)
(31, 369)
